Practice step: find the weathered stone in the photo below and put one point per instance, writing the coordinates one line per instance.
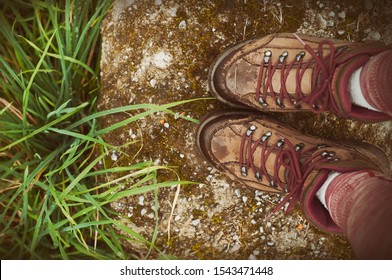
(159, 52)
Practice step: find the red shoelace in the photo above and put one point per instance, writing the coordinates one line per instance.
(297, 161)
(324, 66)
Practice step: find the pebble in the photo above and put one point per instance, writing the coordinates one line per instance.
(374, 36)
(141, 200)
(271, 243)
(196, 222)
(269, 224)
(342, 14)
(235, 248)
(331, 14)
(114, 156)
(143, 212)
(262, 237)
(238, 193)
(166, 124)
(153, 83)
(261, 229)
(182, 25)
(252, 257)
(323, 22)
(235, 237)
(253, 221)
(256, 252)
(130, 131)
(244, 199)
(150, 216)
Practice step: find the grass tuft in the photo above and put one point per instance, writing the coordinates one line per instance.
(53, 204)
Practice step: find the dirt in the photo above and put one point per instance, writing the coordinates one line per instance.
(159, 52)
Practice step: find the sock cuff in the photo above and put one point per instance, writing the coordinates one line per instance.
(376, 82)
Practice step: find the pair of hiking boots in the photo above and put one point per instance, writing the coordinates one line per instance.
(287, 73)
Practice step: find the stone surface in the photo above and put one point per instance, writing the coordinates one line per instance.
(159, 52)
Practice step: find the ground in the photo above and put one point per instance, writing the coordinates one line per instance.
(159, 52)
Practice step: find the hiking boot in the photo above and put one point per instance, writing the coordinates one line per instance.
(260, 153)
(287, 72)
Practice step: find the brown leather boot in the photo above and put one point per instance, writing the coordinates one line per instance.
(260, 153)
(286, 72)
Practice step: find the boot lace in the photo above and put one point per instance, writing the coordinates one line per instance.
(324, 65)
(297, 161)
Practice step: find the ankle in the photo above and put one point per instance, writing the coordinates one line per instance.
(321, 193)
(357, 93)
(376, 82)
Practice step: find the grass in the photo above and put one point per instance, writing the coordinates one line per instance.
(54, 194)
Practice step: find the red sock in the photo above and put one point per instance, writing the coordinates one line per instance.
(360, 203)
(376, 81)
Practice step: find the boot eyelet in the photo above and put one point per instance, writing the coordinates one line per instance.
(297, 104)
(250, 130)
(280, 143)
(320, 146)
(299, 56)
(283, 56)
(299, 146)
(279, 103)
(265, 136)
(262, 102)
(244, 171)
(257, 175)
(267, 56)
(272, 184)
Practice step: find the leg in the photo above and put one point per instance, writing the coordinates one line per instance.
(360, 203)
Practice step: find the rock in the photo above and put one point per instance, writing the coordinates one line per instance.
(323, 22)
(342, 15)
(114, 156)
(182, 25)
(143, 51)
(141, 200)
(374, 36)
(196, 222)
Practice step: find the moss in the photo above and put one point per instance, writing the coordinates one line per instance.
(217, 219)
